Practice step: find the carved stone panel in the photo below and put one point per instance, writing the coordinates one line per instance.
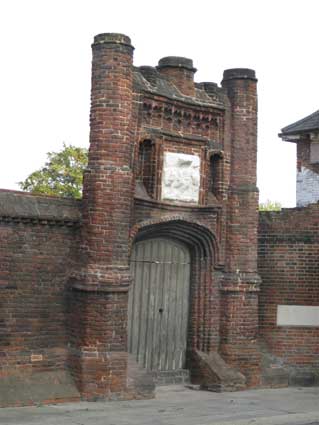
(181, 177)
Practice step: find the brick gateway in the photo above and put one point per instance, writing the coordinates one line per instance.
(171, 160)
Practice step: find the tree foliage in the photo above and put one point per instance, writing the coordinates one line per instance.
(62, 174)
(270, 206)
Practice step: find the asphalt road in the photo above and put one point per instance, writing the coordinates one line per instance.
(181, 406)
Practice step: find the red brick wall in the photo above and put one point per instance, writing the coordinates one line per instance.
(288, 265)
(36, 257)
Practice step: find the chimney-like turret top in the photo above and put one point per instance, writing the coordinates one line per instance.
(176, 62)
(112, 38)
(180, 72)
(239, 74)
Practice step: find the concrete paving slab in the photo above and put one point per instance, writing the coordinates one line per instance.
(181, 406)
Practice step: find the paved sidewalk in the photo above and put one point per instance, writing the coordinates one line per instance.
(181, 406)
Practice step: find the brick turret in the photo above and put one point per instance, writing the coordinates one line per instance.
(180, 72)
(241, 279)
(101, 284)
(107, 197)
(240, 85)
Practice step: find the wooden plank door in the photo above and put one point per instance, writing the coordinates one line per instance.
(159, 304)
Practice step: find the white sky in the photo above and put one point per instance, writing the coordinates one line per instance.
(46, 65)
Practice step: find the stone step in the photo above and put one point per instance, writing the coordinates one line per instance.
(171, 377)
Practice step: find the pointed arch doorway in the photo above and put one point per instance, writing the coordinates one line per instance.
(159, 304)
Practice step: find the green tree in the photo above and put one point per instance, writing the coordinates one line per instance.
(61, 175)
(270, 206)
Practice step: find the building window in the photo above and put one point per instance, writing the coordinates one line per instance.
(147, 166)
(216, 174)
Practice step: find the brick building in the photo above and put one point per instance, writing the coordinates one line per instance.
(305, 133)
(152, 276)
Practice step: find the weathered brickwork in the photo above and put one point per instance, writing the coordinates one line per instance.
(239, 305)
(97, 353)
(65, 274)
(38, 243)
(99, 341)
(288, 265)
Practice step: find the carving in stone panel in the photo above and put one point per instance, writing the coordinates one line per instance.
(181, 177)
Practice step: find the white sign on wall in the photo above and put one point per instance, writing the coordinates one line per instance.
(181, 177)
(297, 315)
